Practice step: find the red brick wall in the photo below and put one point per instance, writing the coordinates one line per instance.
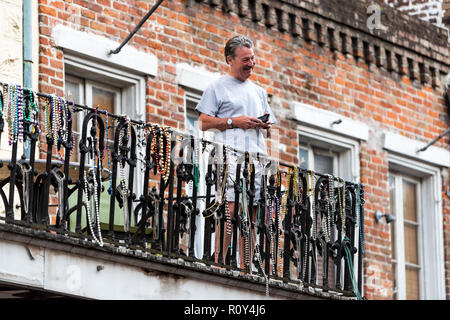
(293, 64)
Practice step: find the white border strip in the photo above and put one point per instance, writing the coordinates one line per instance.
(324, 119)
(195, 77)
(94, 46)
(402, 145)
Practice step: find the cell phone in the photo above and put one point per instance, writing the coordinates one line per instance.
(264, 118)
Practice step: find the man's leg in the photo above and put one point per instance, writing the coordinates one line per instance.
(227, 236)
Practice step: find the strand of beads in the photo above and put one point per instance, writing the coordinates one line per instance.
(48, 122)
(19, 105)
(97, 161)
(153, 148)
(269, 209)
(325, 220)
(227, 208)
(161, 151)
(1, 103)
(310, 182)
(99, 240)
(166, 165)
(12, 121)
(277, 203)
(3, 100)
(124, 192)
(196, 162)
(108, 153)
(54, 118)
(141, 144)
(341, 199)
(70, 116)
(9, 114)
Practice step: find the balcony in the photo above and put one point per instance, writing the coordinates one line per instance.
(304, 241)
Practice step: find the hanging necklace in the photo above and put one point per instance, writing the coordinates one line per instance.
(245, 223)
(342, 206)
(141, 144)
(99, 240)
(124, 192)
(227, 208)
(310, 194)
(19, 106)
(108, 154)
(166, 163)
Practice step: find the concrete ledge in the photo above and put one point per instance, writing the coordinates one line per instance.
(407, 147)
(324, 119)
(129, 273)
(97, 47)
(194, 77)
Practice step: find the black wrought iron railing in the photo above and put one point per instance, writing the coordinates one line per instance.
(163, 191)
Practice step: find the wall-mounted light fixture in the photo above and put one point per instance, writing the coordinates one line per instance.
(388, 217)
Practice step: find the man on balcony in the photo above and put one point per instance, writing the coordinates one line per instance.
(230, 106)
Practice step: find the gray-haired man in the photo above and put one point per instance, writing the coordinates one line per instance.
(231, 106)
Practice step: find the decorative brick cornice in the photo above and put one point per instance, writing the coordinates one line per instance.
(402, 44)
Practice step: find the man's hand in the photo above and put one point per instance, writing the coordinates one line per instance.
(247, 122)
(207, 122)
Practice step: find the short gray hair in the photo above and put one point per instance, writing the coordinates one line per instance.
(235, 43)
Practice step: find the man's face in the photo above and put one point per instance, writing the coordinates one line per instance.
(241, 66)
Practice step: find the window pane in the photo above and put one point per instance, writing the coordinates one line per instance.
(304, 159)
(191, 125)
(409, 201)
(105, 100)
(411, 249)
(191, 122)
(72, 93)
(323, 164)
(412, 284)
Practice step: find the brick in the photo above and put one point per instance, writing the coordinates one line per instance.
(47, 10)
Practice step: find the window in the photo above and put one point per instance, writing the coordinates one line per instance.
(328, 153)
(120, 92)
(404, 192)
(416, 234)
(90, 93)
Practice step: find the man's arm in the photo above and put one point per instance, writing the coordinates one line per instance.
(207, 122)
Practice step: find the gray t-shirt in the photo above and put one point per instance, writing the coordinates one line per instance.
(229, 97)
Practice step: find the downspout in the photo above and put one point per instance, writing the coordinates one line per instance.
(27, 50)
(27, 43)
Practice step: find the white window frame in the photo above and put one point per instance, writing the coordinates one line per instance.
(132, 87)
(346, 150)
(85, 89)
(312, 150)
(431, 250)
(345, 145)
(195, 96)
(399, 222)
